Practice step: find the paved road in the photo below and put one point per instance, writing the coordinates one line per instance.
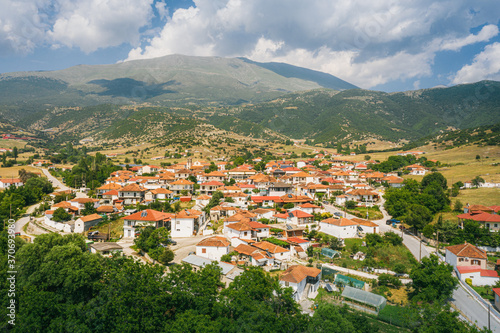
(473, 310)
(54, 180)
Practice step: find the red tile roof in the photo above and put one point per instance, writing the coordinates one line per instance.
(297, 273)
(467, 250)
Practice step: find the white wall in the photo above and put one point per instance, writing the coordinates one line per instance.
(339, 232)
(212, 252)
(451, 258)
(182, 227)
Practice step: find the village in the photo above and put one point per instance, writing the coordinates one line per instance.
(313, 223)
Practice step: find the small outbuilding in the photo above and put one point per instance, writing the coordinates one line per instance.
(373, 301)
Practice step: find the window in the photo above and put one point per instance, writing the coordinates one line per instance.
(475, 262)
(496, 225)
(487, 225)
(245, 233)
(287, 283)
(203, 250)
(461, 259)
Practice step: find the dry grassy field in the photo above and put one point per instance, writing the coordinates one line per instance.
(480, 196)
(13, 172)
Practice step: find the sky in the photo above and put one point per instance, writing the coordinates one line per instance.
(385, 45)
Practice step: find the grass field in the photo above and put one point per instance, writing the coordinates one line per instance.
(479, 196)
(13, 172)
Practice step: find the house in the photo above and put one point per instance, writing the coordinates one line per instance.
(79, 203)
(106, 188)
(85, 222)
(202, 200)
(181, 185)
(210, 187)
(107, 249)
(144, 218)
(254, 256)
(497, 297)
(158, 194)
(8, 182)
(279, 253)
(465, 255)
(279, 189)
(213, 248)
(340, 228)
(296, 217)
(186, 223)
(247, 229)
(229, 271)
(479, 276)
(131, 194)
(296, 241)
(304, 281)
(368, 227)
(487, 219)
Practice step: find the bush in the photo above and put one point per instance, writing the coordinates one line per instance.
(468, 281)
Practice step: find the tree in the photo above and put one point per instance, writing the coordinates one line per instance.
(368, 157)
(310, 251)
(432, 281)
(166, 257)
(458, 206)
(335, 244)
(89, 209)
(477, 181)
(478, 157)
(350, 204)
(15, 153)
(418, 216)
(434, 177)
(428, 231)
(60, 215)
(392, 238)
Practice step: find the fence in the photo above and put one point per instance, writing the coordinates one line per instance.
(494, 312)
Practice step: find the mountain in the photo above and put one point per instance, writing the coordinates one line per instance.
(168, 80)
(332, 116)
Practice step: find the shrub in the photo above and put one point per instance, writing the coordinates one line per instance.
(468, 281)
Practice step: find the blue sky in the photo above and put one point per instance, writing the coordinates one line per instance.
(376, 44)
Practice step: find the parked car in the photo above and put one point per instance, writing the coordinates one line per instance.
(338, 214)
(93, 233)
(391, 221)
(171, 241)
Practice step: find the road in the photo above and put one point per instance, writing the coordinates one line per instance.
(473, 310)
(55, 182)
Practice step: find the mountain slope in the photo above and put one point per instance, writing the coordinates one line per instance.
(161, 81)
(332, 116)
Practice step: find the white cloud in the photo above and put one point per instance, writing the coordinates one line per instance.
(486, 33)
(365, 42)
(486, 65)
(93, 24)
(22, 25)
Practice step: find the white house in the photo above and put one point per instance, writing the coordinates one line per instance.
(368, 227)
(144, 218)
(213, 248)
(8, 182)
(303, 280)
(85, 222)
(279, 253)
(254, 256)
(186, 223)
(479, 276)
(297, 217)
(246, 230)
(465, 255)
(340, 228)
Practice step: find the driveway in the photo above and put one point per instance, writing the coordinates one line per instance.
(185, 246)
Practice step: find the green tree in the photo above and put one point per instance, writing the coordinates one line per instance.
(335, 244)
(89, 209)
(434, 177)
(350, 204)
(458, 206)
(432, 281)
(60, 215)
(166, 256)
(418, 216)
(368, 157)
(477, 181)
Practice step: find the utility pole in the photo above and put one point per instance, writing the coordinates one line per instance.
(420, 251)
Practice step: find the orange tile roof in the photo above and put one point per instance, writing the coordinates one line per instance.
(339, 222)
(272, 248)
(132, 188)
(467, 250)
(215, 241)
(297, 273)
(148, 215)
(91, 217)
(182, 182)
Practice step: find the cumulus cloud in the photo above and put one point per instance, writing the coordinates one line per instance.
(22, 25)
(486, 65)
(365, 42)
(486, 33)
(84, 24)
(93, 24)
